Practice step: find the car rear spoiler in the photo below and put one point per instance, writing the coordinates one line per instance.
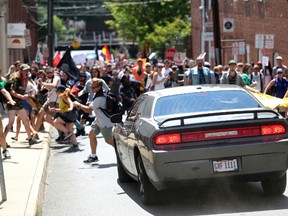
(222, 113)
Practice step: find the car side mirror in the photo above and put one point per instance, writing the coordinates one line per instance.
(116, 118)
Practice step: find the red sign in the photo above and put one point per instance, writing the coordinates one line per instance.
(169, 53)
(265, 51)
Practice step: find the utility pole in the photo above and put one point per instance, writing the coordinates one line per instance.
(216, 30)
(3, 37)
(50, 32)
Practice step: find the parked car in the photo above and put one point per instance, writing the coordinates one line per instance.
(174, 136)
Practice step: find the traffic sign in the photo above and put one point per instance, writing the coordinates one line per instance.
(27, 37)
(169, 53)
(241, 48)
(259, 41)
(269, 41)
(235, 48)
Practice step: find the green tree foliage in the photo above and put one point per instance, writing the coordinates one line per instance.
(154, 22)
(58, 25)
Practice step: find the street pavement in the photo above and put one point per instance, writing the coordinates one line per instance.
(24, 173)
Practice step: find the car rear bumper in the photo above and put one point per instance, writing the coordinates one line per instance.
(180, 166)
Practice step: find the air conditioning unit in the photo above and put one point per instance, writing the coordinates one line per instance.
(228, 25)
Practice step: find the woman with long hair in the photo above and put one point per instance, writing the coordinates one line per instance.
(67, 115)
(18, 92)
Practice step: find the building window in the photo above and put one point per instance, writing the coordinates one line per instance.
(261, 11)
(247, 9)
(225, 7)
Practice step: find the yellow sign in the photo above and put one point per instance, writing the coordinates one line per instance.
(75, 44)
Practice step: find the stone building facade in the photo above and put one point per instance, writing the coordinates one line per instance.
(249, 30)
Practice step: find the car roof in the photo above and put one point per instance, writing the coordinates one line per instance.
(193, 88)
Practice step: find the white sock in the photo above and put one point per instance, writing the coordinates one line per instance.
(93, 155)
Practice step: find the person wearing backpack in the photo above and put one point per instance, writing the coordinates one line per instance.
(102, 123)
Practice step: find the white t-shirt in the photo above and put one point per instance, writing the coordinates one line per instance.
(101, 119)
(52, 95)
(257, 80)
(166, 71)
(29, 87)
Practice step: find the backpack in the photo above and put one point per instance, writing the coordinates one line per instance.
(113, 105)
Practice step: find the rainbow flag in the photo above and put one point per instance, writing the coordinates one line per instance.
(105, 54)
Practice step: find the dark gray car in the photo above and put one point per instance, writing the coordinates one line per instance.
(173, 136)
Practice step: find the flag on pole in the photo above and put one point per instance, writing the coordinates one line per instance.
(56, 58)
(43, 61)
(106, 54)
(96, 52)
(67, 65)
(38, 57)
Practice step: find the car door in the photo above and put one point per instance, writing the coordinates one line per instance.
(128, 139)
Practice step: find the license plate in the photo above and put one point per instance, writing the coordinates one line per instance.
(225, 166)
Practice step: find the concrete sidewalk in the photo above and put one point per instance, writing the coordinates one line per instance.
(25, 174)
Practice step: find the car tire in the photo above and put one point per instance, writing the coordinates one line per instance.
(274, 187)
(122, 174)
(149, 194)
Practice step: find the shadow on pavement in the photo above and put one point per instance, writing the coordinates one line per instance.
(213, 198)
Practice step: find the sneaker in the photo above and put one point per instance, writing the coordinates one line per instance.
(67, 136)
(59, 139)
(36, 136)
(6, 154)
(91, 159)
(80, 132)
(7, 145)
(33, 141)
(14, 138)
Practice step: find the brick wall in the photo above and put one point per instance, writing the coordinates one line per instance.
(251, 17)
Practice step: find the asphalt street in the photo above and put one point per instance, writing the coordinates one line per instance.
(75, 188)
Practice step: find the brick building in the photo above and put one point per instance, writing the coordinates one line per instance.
(17, 11)
(249, 30)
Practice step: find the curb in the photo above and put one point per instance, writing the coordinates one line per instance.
(36, 196)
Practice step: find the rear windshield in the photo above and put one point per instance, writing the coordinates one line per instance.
(204, 101)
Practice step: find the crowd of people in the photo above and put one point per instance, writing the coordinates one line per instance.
(33, 94)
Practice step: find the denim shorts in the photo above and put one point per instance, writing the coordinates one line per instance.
(106, 131)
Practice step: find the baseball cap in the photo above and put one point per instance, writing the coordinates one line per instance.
(259, 63)
(279, 58)
(61, 88)
(147, 64)
(232, 62)
(24, 67)
(279, 70)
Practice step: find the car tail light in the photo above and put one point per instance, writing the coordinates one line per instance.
(227, 133)
(273, 129)
(168, 139)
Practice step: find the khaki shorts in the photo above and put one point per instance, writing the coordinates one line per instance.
(106, 131)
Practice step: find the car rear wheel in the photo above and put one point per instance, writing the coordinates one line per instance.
(274, 186)
(148, 192)
(122, 174)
